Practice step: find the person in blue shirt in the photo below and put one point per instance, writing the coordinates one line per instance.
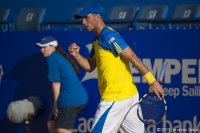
(69, 95)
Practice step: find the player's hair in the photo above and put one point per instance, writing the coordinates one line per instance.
(67, 57)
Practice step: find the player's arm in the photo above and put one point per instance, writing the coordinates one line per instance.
(130, 55)
(89, 64)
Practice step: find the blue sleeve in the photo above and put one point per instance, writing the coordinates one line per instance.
(111, 40)
(54, 73)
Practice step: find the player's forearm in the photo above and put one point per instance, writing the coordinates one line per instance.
(85, 63)
(130, 56)
(148, 76)
(137, 63)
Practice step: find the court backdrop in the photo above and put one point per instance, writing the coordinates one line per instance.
(24, 74)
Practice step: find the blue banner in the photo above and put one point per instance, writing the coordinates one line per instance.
(25, 74)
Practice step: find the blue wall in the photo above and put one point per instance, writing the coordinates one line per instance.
(25, 74)
(25, 71)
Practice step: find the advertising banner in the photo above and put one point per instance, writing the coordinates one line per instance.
(23, 73)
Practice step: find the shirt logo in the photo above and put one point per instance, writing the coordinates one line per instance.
(112, 40)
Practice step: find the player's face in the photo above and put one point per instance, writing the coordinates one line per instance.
(47, 50)
(90, 22)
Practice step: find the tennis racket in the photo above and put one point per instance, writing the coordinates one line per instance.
(151, 110)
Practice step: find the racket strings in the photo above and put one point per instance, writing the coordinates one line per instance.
(152, 109)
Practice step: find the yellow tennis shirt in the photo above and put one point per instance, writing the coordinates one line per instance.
(114, 75)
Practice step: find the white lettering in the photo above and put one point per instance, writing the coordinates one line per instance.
(189, 71)
(186, 13)
(178, 125)
(155, 68)
(29, 16)
(191, 91)
(172, 92)
(85, 125)
(189, 68)
(152, 14)
(151, 129)
(122, 15)
(173, 68)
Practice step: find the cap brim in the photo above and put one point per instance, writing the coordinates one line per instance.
(77, 16)
(53, 43)
(40, 45)
(81, 15)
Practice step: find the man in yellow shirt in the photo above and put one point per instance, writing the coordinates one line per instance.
(111, 55)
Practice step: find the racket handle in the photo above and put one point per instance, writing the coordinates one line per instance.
(163, 69)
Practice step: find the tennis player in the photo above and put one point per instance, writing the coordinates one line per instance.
(111, 55)
(69, 96)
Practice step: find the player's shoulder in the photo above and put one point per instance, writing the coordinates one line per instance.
(109, 33)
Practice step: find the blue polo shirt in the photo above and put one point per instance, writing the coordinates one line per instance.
(72, 92)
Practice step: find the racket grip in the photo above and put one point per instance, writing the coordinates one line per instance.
(163, 69)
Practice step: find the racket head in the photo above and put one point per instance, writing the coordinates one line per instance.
(151, 110)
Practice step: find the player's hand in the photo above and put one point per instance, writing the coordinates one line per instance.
(157, 89)
(74, 49)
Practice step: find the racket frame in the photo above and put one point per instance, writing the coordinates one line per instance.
(151, 123)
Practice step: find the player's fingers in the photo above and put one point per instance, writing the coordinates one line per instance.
(161, 90)
(158, 94)
(158, 89)
(155, 89)
(73, 47)
(72, 44)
